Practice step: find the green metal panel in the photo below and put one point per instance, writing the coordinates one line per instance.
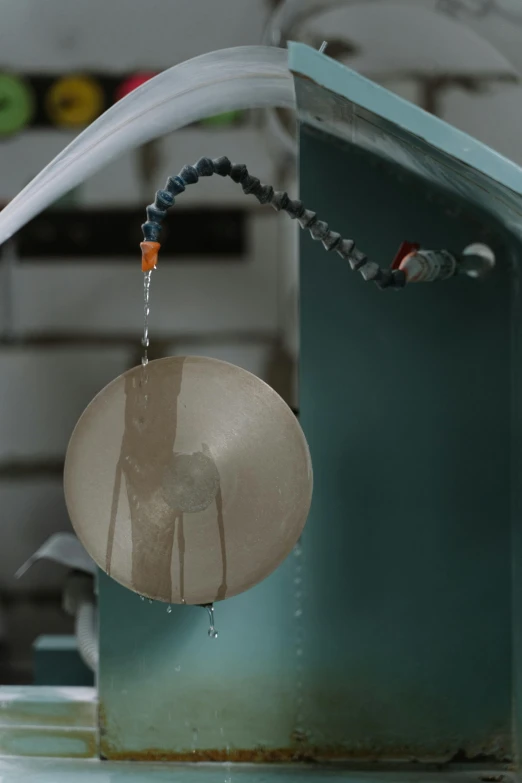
(390, 633)
(168, 691)
(406, 399)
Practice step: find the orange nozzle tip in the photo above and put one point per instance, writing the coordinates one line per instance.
(149, 255)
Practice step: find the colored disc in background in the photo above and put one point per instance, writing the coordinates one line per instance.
(222, 120)
(16, 104)
(74, 101)
(132, 83)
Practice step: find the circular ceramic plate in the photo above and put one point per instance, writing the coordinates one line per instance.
(188, 480)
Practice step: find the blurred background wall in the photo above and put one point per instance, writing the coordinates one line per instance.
(71, 293)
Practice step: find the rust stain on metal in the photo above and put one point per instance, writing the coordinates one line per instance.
(305, 752)
(254, 756)
(465, 757)
(91, 746)
(262, 755)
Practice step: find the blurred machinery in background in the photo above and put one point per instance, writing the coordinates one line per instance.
(66, 329)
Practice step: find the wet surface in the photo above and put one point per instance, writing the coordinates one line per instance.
(54, 771)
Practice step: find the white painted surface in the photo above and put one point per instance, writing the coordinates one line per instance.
(123, 35)
(436, 43)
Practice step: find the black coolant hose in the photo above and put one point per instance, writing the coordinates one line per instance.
(265, 194)
(411, 265)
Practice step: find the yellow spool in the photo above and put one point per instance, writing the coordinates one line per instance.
(74, 101)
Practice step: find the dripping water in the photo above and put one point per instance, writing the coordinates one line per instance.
(299, 629)
(146, 311)
(228, 767)
(212, 628)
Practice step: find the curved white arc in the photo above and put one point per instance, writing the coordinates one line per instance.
(243, 77)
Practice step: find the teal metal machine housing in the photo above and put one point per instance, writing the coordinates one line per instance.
(398, 642)
(393, 632)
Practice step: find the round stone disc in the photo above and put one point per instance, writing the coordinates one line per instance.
(188, 480)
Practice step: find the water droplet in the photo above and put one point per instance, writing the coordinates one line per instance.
(228, 768)
(146, 312)
(299, 635)
(212, 629)
(169, 609)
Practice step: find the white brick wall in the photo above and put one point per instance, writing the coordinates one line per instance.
(104, 298)
(118, 184)
(44, 391)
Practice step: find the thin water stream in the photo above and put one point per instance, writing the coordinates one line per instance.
(146, 312)
(145, 342)
(212, 632)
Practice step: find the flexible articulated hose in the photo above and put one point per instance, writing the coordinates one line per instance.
(265, 194)
(87, 634)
